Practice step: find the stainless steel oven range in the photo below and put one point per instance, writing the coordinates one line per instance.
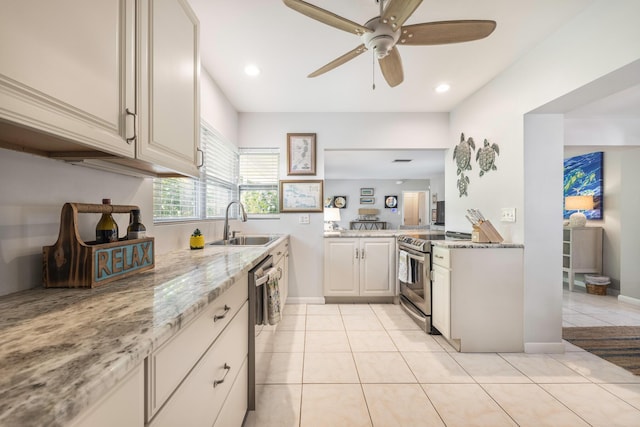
(414, 274)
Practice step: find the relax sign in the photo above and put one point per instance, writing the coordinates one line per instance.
(115, 261)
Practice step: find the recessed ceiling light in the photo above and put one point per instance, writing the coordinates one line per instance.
(443, 87)
(251, 70)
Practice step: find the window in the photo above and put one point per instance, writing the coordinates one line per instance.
(183, 199)
(259, 180)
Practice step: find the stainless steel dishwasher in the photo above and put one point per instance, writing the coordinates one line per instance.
(258, 278)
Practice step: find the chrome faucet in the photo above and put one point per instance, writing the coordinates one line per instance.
(243, 218)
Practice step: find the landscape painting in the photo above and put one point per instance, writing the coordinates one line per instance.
(583, 177)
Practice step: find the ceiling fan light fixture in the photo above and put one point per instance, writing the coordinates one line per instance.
(252, 70)
(442, 88)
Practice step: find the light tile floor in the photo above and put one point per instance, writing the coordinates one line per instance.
(370, 365)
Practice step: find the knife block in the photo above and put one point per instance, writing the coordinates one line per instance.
(72, 263)
(485, 232)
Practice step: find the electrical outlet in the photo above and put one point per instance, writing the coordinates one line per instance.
(508, 215)
(304, 219)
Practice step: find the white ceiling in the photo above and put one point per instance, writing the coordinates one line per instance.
(287, 46)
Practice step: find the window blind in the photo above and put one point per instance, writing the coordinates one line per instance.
(259, 171)
(184, 199)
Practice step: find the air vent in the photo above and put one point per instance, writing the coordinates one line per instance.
(402, 160)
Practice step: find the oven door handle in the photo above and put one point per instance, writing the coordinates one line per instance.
(415, 257)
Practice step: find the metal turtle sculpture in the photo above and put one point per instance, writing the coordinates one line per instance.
(486, 157)
(463, 184)
(462, 153)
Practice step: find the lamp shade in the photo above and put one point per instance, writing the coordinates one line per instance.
(578, 203)
(331, 214)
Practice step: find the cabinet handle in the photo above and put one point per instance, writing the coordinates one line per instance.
(362, 254)
(222, 316)
(201, 157)
(135, 126)
(357, 253)
(438, 256)
(218, 382)
(279, 273)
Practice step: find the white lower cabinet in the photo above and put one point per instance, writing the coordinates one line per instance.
(123, 406)
(359, 267)
(478, 298)
(200, 397)
(441, 293)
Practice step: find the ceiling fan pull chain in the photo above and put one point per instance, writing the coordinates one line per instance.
(373, 69)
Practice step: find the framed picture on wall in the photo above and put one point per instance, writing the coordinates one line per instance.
(340, 202)
(301, 154)
(390, 201)
(367, 200)
(366, 191)
(301, 196)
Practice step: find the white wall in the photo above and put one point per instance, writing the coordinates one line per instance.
(600, 40)
(334, 131)
(34, 190)
(382, 188)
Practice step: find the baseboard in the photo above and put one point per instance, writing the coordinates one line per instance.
(305, 300)
(628, 300)
(543, 347)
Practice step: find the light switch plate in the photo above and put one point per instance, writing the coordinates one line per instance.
(304, 219)
(508, 215)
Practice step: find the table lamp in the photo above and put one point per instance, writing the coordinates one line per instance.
(579, 203)
(330, 216)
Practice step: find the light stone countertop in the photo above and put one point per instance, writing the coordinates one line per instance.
(468, 244)
(61, 350)
(378, 233)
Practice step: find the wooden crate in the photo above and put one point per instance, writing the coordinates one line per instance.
(72, 263)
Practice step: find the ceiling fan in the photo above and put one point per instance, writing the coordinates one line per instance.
(382, 33)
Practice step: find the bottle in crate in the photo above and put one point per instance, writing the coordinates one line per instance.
(107, 229)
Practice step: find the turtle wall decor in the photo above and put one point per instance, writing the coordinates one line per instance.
(486, 157)
(463, 184)
(462, 154)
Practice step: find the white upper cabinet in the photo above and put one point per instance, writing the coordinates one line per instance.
(67, 70)
(169, 65)
(116, 80)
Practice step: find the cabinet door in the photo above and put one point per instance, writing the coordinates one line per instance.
(341, 267)
(67, 70)
(377, 267)
(441, 300)
(169, 68)
(121, 406)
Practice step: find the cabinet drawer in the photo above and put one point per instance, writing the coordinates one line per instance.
(441, 256)
(280, 250)
(199, 398)
(235, 407)
(173, 361)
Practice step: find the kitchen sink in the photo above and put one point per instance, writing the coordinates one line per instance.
(246, 241)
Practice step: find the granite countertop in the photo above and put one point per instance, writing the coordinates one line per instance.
(62, 349)
(379, 233)
(468, 244)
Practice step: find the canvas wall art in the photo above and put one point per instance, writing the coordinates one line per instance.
(583, 177)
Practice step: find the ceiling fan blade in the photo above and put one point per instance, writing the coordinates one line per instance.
(391, 66)
(398, 11)
(444, 32)
(326, 17)
(339, 61)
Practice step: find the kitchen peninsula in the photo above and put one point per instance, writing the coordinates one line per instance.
(64, 350)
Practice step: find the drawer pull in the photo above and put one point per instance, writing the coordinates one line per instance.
(218, 382)
(222, 316)
(439, 256)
